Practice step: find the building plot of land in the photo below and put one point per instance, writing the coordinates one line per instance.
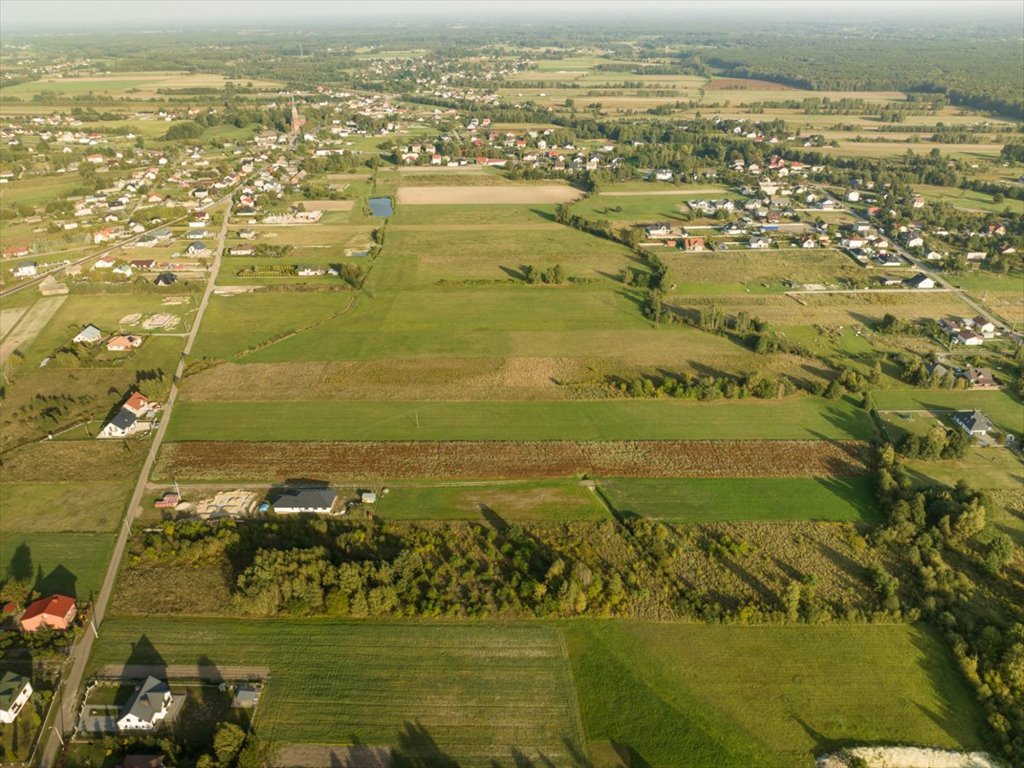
(540, 193)
(9, 318)
(474, 692)
(30, 325)
(328, 205)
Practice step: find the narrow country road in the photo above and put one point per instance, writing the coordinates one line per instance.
(71, 680)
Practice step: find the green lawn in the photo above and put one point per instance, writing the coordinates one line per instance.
(703, 500)
(38, 190)
(793, 418)
(987, 468)
(472, 692)
(516, 501)
(69, 563)
(690, 695)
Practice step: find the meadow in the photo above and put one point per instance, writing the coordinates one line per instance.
(513, 501)
(704, 500)
(968, 199)
(709, 696)
(798, 418)
(442, 694)
(59, 507)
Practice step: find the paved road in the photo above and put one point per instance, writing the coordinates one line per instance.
(71, 681)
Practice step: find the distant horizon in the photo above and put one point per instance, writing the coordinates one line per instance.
(41, 16)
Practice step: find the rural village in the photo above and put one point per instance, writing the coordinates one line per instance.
(529, 403)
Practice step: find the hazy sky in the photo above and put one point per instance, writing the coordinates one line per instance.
(157, 14)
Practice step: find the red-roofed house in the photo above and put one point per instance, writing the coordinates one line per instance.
(139, 404)
(56, 611)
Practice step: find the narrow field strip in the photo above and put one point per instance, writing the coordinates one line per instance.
(279, 461)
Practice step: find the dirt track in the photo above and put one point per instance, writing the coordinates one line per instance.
(516, 195)
(209, 672)
(31, 324)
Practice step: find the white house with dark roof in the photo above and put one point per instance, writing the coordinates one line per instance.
(15, 691)
(148, 706)
(974, 423)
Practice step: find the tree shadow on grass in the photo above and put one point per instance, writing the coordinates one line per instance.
(418, 749)
(59, 581)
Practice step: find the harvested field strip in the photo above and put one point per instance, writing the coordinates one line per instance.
(800, 418)
(478, 690)
(475, 195)
(31, 324)
(276, 462)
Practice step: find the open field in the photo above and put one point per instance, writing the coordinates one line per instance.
(60, 461)
(967, 199)
(249, 462)
(494, 217)
(515, 501)
(684, 696)
(63, 507)
(988, 468)
(459, 195)
(797, 418)
(327, 205)
(37, 190)
(69, 563)
(706, 500)
(139, 85)
(440, 693)
(743, 269)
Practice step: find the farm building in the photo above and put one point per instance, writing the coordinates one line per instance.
(194, 249)
(303, 500)
(25, 270)
(969, 338)
(15, 691)
(55, 611)
(974, 423)
(919, 281)
(88, 335)
(147, 706)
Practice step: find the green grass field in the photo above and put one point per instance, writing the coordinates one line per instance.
(967, 199)
(471, 692)
(91, 507)
(705, 500)
(680, 695)
(806, 418)
(515, 501)
(37, 190)
(68, 563)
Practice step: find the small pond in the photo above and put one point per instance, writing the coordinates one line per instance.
(381, 207)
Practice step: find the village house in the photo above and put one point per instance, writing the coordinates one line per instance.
(29, 269)
(693, 244)
(15, 691)
(974, 423)
(969, 338)
(126, 421)
(88, 335)
(981, 378)
(241, 250)
(123, 343)
(55, 611)
(658, 231)
(149, 704)
(309, 270)
(164, 279)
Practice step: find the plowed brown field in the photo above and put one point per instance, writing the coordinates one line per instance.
(279, 461)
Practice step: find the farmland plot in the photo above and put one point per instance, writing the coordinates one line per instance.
(502, 194)
(473, 692)
(425, 460)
